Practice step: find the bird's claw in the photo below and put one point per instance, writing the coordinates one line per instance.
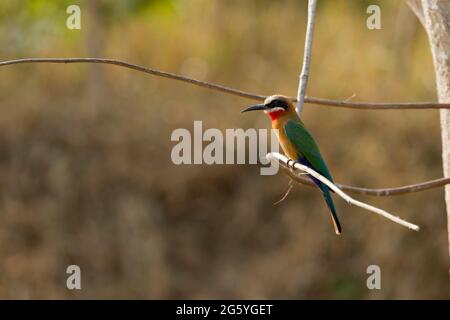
(291, 166)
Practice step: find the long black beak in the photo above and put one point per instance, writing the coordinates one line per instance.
(255, 107)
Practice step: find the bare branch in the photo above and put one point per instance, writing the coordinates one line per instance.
(381, 192)
(290, 186)
(303, 82)
(377, 106)
(342, 194)
(232, 91)
(151, 71)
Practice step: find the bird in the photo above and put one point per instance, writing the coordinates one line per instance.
(298, 144)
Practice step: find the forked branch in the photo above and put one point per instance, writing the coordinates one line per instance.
(283, 159)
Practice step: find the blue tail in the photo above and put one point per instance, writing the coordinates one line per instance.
(330, 204)
(326, 194)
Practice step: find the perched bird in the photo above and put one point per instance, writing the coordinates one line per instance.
(298, 144)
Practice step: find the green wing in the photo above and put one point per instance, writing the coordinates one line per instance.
(306, 146)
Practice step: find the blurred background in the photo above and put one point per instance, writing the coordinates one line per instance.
(86, 176)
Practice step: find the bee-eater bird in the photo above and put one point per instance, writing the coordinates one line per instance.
(298, 144)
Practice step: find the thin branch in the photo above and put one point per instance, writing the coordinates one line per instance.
(377, 106)
(290, 186)
(342, 194)
(151, 71)
(381, 192)
(303, 82)
(232, 91)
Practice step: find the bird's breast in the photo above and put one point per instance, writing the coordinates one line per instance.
(287, 146)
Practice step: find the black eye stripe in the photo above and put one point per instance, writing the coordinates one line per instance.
(277, 104)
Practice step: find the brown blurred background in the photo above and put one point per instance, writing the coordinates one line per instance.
(86, 176)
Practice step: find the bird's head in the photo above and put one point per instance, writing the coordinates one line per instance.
(274, 106)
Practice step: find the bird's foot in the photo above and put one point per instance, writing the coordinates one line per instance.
(291, 166)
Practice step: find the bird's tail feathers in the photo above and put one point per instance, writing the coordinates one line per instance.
(330, 204)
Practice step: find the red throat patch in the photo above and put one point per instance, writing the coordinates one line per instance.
(276, 114)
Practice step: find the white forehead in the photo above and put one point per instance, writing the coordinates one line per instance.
(270, 99)
(274, 97)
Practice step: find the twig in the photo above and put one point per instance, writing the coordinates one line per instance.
(342, 194)
(377, 106)
(381, 192)
(232, 91)
(350, 98)
(290, 186)
(303, 82)
(151, 71)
